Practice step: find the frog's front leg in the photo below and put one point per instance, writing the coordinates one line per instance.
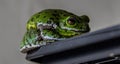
(30, 40)
(48, 32)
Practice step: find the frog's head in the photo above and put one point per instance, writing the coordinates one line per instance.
(75, 25)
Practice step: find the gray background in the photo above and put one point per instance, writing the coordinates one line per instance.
(15, 13)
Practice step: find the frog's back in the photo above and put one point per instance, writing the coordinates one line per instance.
(49, 14)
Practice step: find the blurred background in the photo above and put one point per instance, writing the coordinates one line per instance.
(15, 13)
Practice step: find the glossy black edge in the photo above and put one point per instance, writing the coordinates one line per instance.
(86, 39)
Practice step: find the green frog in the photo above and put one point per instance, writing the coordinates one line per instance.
(50, 25)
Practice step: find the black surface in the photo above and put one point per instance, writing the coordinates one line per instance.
(87, 48)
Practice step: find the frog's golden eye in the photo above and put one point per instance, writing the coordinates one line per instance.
(71, 21)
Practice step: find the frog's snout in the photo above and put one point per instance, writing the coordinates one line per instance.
(85, 28)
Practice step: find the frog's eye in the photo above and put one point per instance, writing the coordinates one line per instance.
(71, 21)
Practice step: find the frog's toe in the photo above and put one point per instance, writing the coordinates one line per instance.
(27, 48)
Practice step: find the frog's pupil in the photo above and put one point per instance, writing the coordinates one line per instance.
(71, 21)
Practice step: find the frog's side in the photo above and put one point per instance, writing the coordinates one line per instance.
(51, 25)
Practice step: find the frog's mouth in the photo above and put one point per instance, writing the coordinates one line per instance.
(82, 30)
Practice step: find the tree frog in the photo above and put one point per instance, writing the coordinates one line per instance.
(50, 25)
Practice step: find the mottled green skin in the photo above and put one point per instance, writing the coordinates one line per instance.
(52, 25)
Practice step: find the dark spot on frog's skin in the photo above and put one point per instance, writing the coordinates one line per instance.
(65, 30)
(61, 13)
(44, 33)
(55, 15)
(44, 17)
(38, 30)
(64, 24)
(29, 44)
(52, 33)
(55, 11)
(39, 12)
(57, 18)
(64, 15)
(51, 18)
(49, 21)
(38, 16)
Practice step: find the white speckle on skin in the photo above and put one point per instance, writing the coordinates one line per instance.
(54, 25)
(43, 24)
